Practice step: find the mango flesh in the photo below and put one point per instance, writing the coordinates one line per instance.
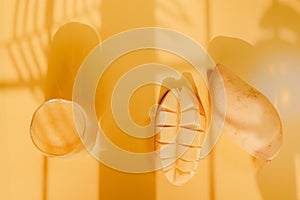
(251, 120)
(69, 47)
(52, 128)
(180, 127)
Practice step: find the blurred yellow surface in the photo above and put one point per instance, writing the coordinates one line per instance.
(258, 40)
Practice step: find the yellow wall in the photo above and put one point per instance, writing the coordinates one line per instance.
(259, 40)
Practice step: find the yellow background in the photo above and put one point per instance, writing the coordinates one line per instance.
(259, 40)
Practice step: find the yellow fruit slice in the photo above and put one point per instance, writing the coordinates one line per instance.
(69, 47)
(52, 129)
(250, 120)
(180, 131)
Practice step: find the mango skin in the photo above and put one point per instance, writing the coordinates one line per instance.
(251, 120)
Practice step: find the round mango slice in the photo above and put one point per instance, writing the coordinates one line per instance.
(53, 130)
